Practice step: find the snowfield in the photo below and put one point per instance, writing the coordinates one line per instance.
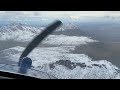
(63, 40)
(32, 72)
(65, 27)
(87, 69)
(18, 32)
(22, 33)
(57, 61)
(102, 70)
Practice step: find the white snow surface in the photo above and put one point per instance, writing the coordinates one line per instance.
(42, 57)
(22, 33)
(18, 32)
(108, 71)
(68, 26)
(30, 72)
(63, 40)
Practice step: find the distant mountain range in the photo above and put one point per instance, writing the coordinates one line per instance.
(18, 31)
(22, 32)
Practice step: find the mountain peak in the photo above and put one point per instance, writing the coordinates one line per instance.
(17, 30)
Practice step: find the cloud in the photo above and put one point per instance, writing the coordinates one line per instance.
(2, 12)
(72, 14)
(50, 13)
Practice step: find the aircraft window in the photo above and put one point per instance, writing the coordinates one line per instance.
(60, 44)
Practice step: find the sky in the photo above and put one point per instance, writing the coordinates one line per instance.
(59, 13)
(39, 15)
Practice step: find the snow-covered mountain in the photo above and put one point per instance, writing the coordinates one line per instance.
(64, 40)
(60, 63)
(57, 60)
(18, 31)
(86, 70)
(18, 26)
(22, 33)
(68, 26)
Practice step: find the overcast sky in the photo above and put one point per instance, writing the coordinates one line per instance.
(29, 15)
(60, 13)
